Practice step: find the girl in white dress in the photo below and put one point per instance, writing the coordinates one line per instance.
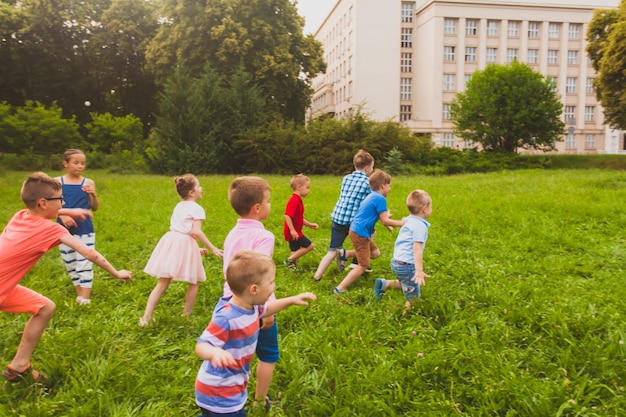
(177, 256)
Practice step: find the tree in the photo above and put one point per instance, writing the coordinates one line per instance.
(507, 107)
(607, 50)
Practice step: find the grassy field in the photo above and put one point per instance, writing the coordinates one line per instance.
(523, 315)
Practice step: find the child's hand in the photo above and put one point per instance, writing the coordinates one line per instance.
(89, 187)
(294, 235)
(217, 252)
(300, 299)
(123, 274)
(204, 251)
(420, 278)
(267, 322)
(314, 226)
(390, 228)
(222, 359)
(67, 221)
(77, 213)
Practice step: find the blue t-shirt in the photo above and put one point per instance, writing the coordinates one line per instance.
(368, 213)
(415, 229)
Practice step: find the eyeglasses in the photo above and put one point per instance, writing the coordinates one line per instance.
(55, 198)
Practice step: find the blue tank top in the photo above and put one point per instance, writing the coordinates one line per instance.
(75, 197)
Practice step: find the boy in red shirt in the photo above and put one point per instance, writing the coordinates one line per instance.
(294, 220)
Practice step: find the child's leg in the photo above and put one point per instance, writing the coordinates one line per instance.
(264, 374)
(268, 354)
(84, 269)
(190, 298)
(32, 333)
(154, 298)
(362, 249)
(324, 264)
(303, 249)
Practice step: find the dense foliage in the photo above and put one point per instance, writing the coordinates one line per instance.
(508, 107)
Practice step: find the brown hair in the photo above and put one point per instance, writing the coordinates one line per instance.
(362, 159)
(378, 179)
(247, 268)
(298, 179)
(245, 192)
(67, 155)
(184, 184)
(416, 200)
(38, 185)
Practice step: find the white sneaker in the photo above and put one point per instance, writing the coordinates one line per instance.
(368, 270)
(82, 301)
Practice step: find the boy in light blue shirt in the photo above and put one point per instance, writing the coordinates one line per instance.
(407, 262)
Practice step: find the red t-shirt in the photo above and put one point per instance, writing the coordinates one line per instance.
(295, 210)
(23, 242)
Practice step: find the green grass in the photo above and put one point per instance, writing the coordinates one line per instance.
(523, 315)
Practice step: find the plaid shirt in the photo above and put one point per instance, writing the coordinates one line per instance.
(354, 188)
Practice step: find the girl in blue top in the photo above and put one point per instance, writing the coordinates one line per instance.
(78, 192)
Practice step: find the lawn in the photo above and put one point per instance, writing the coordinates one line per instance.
(523, 314)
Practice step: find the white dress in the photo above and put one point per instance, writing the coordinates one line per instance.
(177, 255)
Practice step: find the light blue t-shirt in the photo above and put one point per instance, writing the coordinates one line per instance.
(368, 213)
(415, 229)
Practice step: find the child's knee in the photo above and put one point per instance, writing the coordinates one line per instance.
(375, 253)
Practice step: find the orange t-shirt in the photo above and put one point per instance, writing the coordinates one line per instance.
(23, 242)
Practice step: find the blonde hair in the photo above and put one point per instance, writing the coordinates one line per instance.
(38, 185)
(245, 192)
(184, 184)
(298, 179)
(416, 200)
(362, 159)
(247, 268)
(378, 179)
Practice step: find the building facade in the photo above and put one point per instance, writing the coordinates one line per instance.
(406, 61)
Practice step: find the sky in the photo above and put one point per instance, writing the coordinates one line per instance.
(314, 11)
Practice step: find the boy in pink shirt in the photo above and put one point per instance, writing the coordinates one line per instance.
(24, 240)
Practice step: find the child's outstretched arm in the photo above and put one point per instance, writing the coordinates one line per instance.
(218, 357)
(313, 226)
(198, 234)
(95, 257)
(275, 306)
(385, 219)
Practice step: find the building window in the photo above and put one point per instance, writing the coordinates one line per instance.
(471, 27)
(448, 82)
(406, 90)
(589, 113)
(407, 12)
(448, 140)
(589, 86)
(406, 38)
(448, 53)
(553, 30)
(449, 26)
(492, 54)
(554, 83)
(405, 112)
(570, 141)
(492, 28)
(533, 29)
(570, 85)
(406, 62)
(467, 78)
(511, 54)
(553, 57)
(470, 54)
(533, 56)
(590, 141)
(446, 112)
(513, 30)
(569, 114)
(572, 57)
(574, 31)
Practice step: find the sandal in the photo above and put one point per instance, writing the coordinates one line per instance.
(13, 375)
(337, 292)
(341, 259)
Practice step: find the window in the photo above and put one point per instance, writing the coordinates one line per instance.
(553, 56)
(569, 114)
(570, 141)
(553, 30)
(589, 86)
(533, 29)
(448, 140)
(467, 78)
(590, 111)
(492, 28)
(405, 112)
(511, 54)
(492, 54)
(471, 27)
(406, 89)
(574, 31)
(448, 82)
(555, 82)
(448, 53)
(570, 85)
(406, 62)
(533, 55)
(407, 12)
(449, 26)
(406, 38)
(446, 112)
(590, 141)
(470, 54)
(572, 57)
(513, 30)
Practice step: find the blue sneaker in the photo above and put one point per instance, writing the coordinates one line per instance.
(379, 288)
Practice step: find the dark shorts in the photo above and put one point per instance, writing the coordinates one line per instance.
(302, 242)
(267, 345)
(207, 413)
(338, 235)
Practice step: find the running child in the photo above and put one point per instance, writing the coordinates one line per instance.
(299, 245)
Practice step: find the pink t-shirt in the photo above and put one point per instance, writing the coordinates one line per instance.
(247, 234)
(23, 242)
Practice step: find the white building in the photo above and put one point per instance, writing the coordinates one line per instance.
(406, 60)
